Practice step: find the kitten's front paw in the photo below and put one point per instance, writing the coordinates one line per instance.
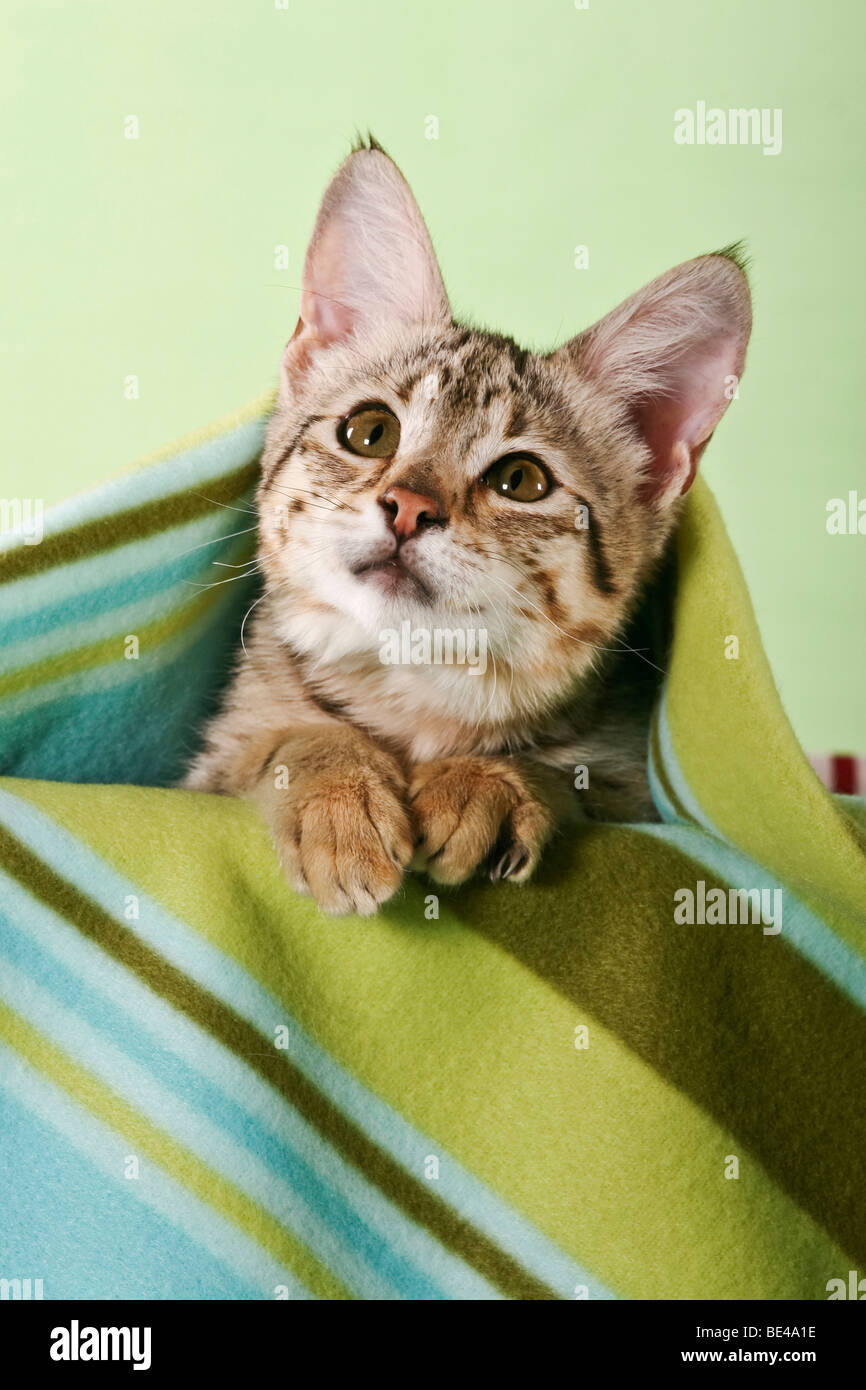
(344, 836)
(471, 811)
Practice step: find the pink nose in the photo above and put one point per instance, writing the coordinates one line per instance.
(409, 511)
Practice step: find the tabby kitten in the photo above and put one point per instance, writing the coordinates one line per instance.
(424, 477)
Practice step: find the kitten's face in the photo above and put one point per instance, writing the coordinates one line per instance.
(419, 471)
(531, 529)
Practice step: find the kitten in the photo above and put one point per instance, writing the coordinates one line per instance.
(423, 477)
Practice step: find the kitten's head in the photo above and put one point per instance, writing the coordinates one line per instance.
(418, 469)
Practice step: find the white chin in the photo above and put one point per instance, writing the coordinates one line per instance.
(374, 601)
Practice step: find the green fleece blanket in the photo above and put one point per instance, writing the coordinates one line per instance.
(640, 1076)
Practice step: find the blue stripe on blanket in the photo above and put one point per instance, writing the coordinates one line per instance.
(173, 557)
(63, 1226)
(214, 1237)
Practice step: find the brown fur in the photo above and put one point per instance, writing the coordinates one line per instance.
(477, 769)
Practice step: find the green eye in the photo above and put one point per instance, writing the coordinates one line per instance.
(518, 477)
(372, 431)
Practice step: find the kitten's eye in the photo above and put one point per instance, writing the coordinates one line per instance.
(518, 477)
(371, 431)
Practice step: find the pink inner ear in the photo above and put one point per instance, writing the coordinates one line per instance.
(325, 306)
(325, 317)
(674, 465)
(678, 425)
(329, 322)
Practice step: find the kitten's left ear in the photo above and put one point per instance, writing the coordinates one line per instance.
(370, 259)
(672, 356)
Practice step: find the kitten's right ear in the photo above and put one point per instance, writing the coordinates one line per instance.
(370, 260)
(672, 355)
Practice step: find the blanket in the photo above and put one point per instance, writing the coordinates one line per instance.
(639, 1076)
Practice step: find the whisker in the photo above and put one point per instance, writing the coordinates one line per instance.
(216, 583)
(216, 540)
(304, 492)
(314, 506)
(253, 605)
(596, 646)
(321, 503)
(251, 511)
(500, 612)
(493, 659)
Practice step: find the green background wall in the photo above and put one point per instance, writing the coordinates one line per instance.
(155, 256)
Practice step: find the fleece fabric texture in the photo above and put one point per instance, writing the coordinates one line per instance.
(557, 1091)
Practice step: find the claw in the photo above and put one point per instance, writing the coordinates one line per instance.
(512, 862)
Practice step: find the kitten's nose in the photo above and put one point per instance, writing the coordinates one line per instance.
(409, 511)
